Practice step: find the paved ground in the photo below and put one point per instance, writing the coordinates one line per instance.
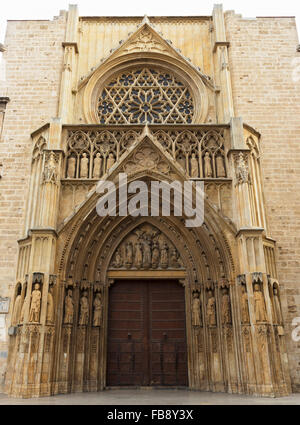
(152, 397)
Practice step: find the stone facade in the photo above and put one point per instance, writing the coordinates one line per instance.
(53, 150)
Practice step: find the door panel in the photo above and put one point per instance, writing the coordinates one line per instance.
(146, 334)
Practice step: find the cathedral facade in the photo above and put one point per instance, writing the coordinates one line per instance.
(143, 300)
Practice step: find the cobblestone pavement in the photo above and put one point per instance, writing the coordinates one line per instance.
(151, 397)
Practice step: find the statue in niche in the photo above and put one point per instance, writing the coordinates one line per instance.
(50, 307)
(211, 309)
(147, 261)
(194, 166)
(69, 307)
(138, 259)
(242, 170)
(155, 255)
(17, 310)
(97, 310)
(244, 305)
(110, 161)
(50, 169)
(35, 307)
(118, 259)
(207, 165)
(164, 257)
(226, 310)
(97, 168)
(259, 304)
(84, 166)
(84, 309)
(174, 258)
(220, 166)
(196, 310)
(277, 307)
(129, 254)
(71, 167)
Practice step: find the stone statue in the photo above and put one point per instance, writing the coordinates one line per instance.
(35, 307)
(84, 166)
(118, 259)
(207, 165)
(50, 307)
(194, 166)
(277, 307)
(226, 310)
(147, 254)
(138, 259)
(174, 258)
(69, 308)
(50, 169)
(97, 310)
(97, 166)
(110, 161)
(196, 310)
(220, 167)
(71, 167)
(155, 255)
(17, 309)
(129, 254)
(211, 309)
(84, 309)
(244, 305)
(164, 257)
(259, 304)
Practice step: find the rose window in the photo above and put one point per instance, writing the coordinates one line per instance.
(145, 95)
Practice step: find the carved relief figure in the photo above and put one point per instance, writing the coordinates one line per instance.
(84, 166)
(97, 166)
(84, 309)
(35, 307)
(242, 170)
(164, 257)
(155, 255)
(174, 258)
(207, 165)
(226, 310)
(277, 307)
(244, 306)
(69, 308)
(194, 166)
(17, 310)
(196, 310)
(97, 310)
(110, 161)
(129, 254)
(147, 254)
(118, 259)
(211, 309)
(259, 303)
(71, 167)
(138, 259)
(50, 307)
(220, 167)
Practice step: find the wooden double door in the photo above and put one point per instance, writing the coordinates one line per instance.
(146, 334)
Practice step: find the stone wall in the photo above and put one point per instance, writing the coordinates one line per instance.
(262, 61)
(33, 61)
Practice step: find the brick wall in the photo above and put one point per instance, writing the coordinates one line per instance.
(262, 51)
(33, 72)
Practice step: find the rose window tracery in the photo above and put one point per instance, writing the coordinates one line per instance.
(145, 95)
